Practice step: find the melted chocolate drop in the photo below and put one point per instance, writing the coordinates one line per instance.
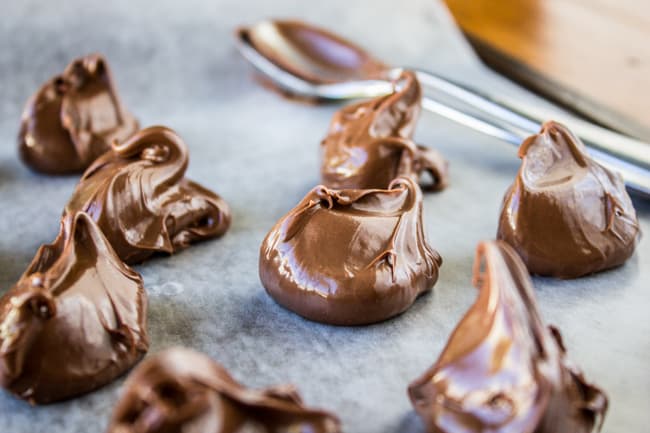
(138, 195)
(566, 215)
(73, 118)
(350, 257)
(182, 390)
(74, 321)
(370, 143)
(503, 370)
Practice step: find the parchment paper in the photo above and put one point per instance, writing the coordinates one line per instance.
(175, 65)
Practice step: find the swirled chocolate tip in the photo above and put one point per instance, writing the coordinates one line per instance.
(566, 215)
(180, 390)
(73, 118)
(370, 143)
(138, 195)
(502, 369)
(74, 321)
(350, 257)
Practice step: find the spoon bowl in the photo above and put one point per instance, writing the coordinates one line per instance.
(313, 63)
(311, 53)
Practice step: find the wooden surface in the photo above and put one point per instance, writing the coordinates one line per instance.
(593, 55)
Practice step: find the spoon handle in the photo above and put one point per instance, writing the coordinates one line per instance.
(516, 119)
(474, 121)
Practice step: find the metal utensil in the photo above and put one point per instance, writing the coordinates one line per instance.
(507, 119)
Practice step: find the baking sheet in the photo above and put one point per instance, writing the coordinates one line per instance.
(175, 64)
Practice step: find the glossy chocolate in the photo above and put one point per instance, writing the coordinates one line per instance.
(75, 320)
(370, 143)
(503, 370)
(311, 53)
(180, 390)
(138, 195)
(350, 257)
(73, 118)
(566, 215)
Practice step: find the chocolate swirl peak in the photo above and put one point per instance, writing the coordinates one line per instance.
(350, 257)
(503, 370)
(74, 321)
(138, 195)
(180, 390)
(73, 118)
(370, 143)
(566, 215)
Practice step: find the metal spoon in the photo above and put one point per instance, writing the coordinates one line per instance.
(311, 62)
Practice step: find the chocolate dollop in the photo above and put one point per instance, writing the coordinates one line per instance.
(74, 321)
(370, 143)
(566, 215)
(141, 200)
(350, 257)
(73, 118)
(180, 390)
(503, 370)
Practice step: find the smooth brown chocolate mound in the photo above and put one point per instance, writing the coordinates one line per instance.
(73, 118)
(566, 215)
(75, 320)
(139, 197)
(370, 143)
(503, 370)
(350, 257)
(180, 390)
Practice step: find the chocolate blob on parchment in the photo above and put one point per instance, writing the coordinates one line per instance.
(369, 144)
(180, 390)
(74, 321)
(503, 370)
(350, 257)
(566, 215)
(138, 195)
(73, 118)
